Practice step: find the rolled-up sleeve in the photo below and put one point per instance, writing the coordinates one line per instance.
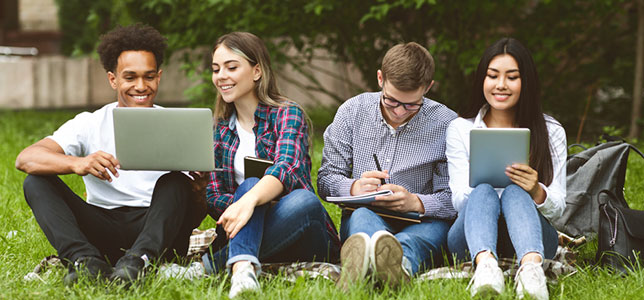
(291, 152)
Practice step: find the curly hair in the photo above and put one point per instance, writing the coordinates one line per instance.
(136, 37)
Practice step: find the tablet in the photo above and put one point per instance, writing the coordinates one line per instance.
(164, 139)
(492, 150)
(255, 167)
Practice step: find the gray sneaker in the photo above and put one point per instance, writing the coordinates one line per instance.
(354, 256)
(243, 279)
(531, 280)
(487, 279)
(386, 258)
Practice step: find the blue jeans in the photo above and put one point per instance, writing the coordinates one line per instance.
(421, 243)
(506, 226)
(293, 229)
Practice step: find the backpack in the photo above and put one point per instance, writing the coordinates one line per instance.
(597, 169)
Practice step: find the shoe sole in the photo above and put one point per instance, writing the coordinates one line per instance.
(386, 257)
(486, 291)
(355, 259)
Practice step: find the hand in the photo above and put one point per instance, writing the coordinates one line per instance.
(199, 181)
(368, 182)
(236, 216)
(528, 179)
(97, 164)
(401, 200)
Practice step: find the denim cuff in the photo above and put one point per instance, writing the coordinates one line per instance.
(252, 259)
(406, 264)
(492, 251)
(208, 264)
(540, 252)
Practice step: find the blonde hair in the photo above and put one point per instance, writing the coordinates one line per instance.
(408, 67)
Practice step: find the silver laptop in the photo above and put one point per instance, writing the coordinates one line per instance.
(164, 139)
(492, 150)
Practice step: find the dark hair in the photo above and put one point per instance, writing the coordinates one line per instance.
(136, 37)
(528, 110)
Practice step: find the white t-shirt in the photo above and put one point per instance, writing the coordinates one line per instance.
(90, 132)
(246, 148)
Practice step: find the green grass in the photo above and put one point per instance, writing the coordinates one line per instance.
(19, 254)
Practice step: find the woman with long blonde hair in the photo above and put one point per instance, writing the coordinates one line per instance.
(278, 217)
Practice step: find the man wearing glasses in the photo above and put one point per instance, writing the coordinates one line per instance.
(405, 133)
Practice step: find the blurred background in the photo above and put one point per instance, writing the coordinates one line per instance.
(588, 52)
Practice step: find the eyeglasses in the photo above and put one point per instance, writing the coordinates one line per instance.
(393, 103)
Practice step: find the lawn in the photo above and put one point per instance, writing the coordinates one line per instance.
(23, 244)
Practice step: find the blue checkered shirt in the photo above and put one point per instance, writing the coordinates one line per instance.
(414, 153)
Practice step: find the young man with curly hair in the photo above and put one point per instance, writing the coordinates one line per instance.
(130, 217)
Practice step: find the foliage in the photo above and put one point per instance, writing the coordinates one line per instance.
(584, 49)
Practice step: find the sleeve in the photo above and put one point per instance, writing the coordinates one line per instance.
(335, 173)
(72, 136)
(218, 195)
(292, 166)
(458, 165)
(555, 202)
(439, 204)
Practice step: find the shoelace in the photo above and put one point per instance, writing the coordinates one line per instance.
(526, 268)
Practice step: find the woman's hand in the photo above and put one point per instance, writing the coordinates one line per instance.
(237, 215)
(528, 179)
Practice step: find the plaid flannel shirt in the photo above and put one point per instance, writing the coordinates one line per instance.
(281, 136)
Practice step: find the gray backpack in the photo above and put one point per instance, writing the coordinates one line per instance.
(589, 172)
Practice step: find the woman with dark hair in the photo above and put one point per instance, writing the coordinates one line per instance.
(505, 222)
(278, 217)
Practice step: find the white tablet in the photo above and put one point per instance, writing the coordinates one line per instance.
(492, 150)
(164, 139)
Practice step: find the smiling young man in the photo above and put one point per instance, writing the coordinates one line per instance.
(406, 132)
(130, 217)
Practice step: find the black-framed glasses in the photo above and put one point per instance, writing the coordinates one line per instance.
(393, 103)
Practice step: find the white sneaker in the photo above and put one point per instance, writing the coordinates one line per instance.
(354, 256)
(243, 279)
(386, 258)
(487, 279)
(194, 271)
(531, 281)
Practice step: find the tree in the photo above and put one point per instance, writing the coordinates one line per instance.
(580, 47)
(634, 131)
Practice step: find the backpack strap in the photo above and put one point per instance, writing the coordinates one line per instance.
(636, 150)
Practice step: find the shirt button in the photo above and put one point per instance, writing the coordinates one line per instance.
(388, 160)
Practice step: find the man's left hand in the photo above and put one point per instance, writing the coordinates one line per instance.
(401, 200)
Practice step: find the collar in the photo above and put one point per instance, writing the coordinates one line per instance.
(478, 121)
(261, 112)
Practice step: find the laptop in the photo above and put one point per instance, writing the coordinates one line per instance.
(164, 139)
(492, 150)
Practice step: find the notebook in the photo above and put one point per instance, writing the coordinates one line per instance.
(492, 150)
(164, 139)
(255, 167)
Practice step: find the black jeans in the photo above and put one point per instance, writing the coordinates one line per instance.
(77, 229)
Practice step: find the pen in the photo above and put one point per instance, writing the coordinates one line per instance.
(382, 180)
